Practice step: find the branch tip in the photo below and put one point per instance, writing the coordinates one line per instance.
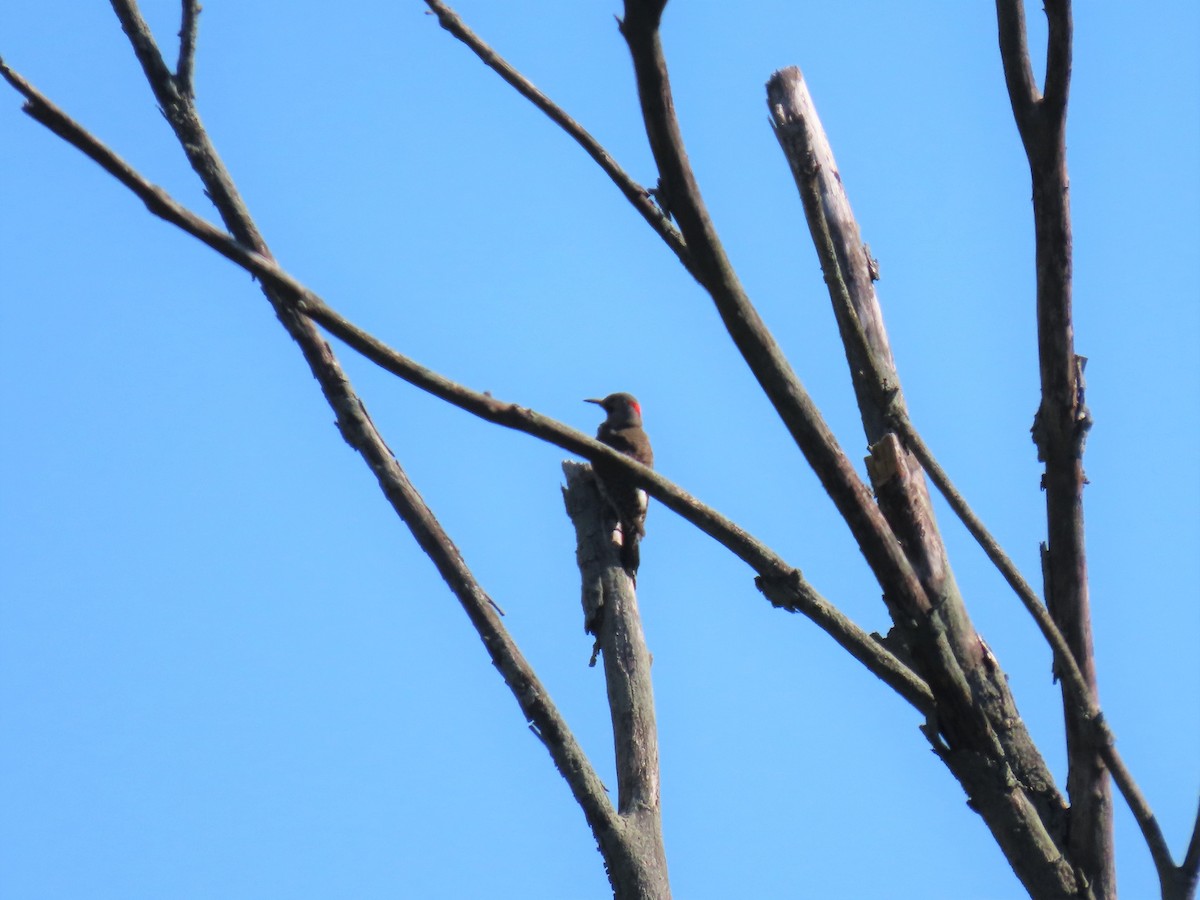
(187, 48)
(633, 192)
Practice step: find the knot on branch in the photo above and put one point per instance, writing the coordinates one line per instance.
(1064, 426)
(783, 590)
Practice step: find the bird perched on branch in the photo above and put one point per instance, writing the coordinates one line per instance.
(622, 430)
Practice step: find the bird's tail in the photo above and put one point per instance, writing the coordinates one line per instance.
(631, 553)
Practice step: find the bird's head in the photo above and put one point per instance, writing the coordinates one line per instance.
(622, 409)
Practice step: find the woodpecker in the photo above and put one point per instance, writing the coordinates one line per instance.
(622, 430)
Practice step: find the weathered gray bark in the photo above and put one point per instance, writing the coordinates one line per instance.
(976, 717)
(636, 861)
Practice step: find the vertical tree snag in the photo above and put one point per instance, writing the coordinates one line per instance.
(639, 872)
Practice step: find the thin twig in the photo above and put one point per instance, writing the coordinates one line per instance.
(635, 193)
(187, 48)
(797, 594)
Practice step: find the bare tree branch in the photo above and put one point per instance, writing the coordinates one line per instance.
(878, 383)
(1059, 50)
(352, 420)
(187, 48)
(1062, 421)
(844, 256)
(1014, 55)
(634, 192)
(977, 704)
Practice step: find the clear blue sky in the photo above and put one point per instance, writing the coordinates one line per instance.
(225, 668)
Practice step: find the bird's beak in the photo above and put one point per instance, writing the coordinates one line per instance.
(597, 402)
